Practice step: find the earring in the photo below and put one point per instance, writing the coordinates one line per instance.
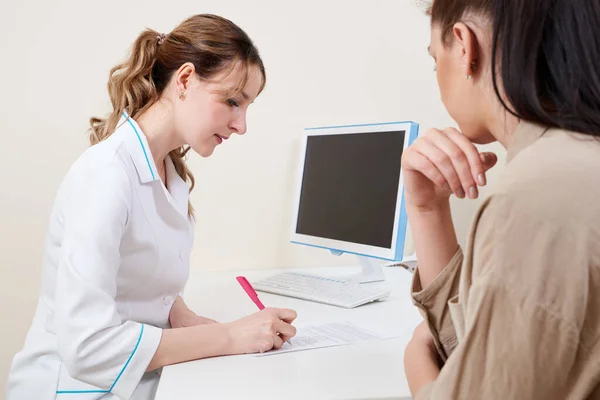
(473, 67)
(182, 95)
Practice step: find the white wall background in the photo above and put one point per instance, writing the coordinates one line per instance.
(329, 62)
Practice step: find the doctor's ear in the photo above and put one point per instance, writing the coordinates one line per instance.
(182, 78)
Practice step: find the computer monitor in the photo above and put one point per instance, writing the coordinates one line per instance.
(350, 196)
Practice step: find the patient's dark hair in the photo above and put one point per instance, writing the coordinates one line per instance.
(546, 52)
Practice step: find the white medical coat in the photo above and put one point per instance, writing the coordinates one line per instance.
(116, 256)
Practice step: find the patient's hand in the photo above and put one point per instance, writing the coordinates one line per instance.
(442, 162)
(420, 359)
(422, 334)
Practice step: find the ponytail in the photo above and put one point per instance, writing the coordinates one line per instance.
(130, 86)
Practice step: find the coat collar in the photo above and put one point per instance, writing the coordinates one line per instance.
(138, 148)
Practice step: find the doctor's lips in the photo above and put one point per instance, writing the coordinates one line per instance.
(221, 138)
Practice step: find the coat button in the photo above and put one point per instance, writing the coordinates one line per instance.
(167, 300)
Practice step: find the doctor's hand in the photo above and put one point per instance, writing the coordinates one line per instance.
(260, 332)
(181, 316)
(442, 162)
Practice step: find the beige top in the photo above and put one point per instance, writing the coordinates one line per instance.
(519, 316)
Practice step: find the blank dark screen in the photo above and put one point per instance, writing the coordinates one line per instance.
(350, 187)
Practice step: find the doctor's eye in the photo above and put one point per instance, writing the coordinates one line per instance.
(232, 103)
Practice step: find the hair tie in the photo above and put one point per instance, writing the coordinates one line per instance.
(161, 38)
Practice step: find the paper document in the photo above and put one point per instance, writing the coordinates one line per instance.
(329, 334)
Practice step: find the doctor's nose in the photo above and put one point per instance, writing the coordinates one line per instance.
(238, 125)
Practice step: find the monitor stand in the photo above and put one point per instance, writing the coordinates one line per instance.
(371, 270)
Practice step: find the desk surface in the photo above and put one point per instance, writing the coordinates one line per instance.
(368, 370)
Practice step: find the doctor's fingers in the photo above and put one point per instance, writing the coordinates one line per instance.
(277, 342)
(264, 345)
(284, 330)
(285, 314)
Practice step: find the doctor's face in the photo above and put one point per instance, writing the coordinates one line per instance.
(207, 116)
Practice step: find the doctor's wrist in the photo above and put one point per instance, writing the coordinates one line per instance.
(228, 339)
(224, 342)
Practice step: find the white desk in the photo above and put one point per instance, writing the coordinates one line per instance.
(368, 370)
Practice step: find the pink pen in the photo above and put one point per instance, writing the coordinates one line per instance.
(252, 294)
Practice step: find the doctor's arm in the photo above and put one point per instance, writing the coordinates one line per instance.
(181, 316)
(94, 343)
(256, 333)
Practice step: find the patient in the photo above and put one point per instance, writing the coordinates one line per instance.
(517, 315)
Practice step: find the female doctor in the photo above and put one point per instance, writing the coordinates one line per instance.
(117, 252)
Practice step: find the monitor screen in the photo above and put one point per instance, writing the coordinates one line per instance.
(350, 187)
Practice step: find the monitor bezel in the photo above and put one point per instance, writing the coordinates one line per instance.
(396, 250)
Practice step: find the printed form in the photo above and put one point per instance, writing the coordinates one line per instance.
(314, 336)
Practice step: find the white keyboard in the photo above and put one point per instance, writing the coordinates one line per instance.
(322, 289)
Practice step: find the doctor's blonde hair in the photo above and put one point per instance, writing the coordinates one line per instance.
(212, 43)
